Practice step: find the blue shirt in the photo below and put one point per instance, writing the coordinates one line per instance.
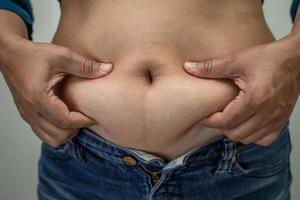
(24, 10)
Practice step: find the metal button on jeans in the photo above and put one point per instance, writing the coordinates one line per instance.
(128, 160)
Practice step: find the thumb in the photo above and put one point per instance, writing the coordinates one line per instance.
(81, 66)
(212, 68)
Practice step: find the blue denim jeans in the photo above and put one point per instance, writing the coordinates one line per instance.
(89, 167)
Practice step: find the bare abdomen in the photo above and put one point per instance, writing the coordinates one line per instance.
(149, 102)
(159, 116)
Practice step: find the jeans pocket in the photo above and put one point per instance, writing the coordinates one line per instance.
(264, 161)
(65, 151)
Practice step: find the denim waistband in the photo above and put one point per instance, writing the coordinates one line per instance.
(214, 149)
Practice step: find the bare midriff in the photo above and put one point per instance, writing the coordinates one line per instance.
(148, 102)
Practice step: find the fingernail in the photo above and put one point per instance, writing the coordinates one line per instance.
(106, 67)
(189, 66)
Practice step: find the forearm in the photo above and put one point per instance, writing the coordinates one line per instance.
(12, 30)
(16, 19)
(290, 47)
(11, 25)
(296, 27)
(296, 32)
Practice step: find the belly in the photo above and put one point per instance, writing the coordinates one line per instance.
(159, 116)
(148, 102)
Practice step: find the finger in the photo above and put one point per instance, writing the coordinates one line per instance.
(269, 139)
(81, 66)
(50, 139)
(236, 112)
(214, 68)
(263, 132)
(251, 126)
(43, 136)
(54, 131)
(58, 113)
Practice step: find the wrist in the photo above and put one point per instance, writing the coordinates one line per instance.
(9, 46)
(290, 49)
(291, 44)
(295, 49)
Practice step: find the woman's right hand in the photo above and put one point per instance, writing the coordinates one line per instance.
(32, 70)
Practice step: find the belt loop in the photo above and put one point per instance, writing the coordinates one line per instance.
(228, 156)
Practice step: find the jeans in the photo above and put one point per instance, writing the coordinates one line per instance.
(89, 167)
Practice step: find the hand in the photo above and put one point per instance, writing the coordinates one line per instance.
(32, 70)
(269, 80)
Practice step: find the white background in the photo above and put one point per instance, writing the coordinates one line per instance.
(19, 148)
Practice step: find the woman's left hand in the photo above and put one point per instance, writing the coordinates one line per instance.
(269, 80)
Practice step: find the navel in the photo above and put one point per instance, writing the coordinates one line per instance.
(149, 77)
